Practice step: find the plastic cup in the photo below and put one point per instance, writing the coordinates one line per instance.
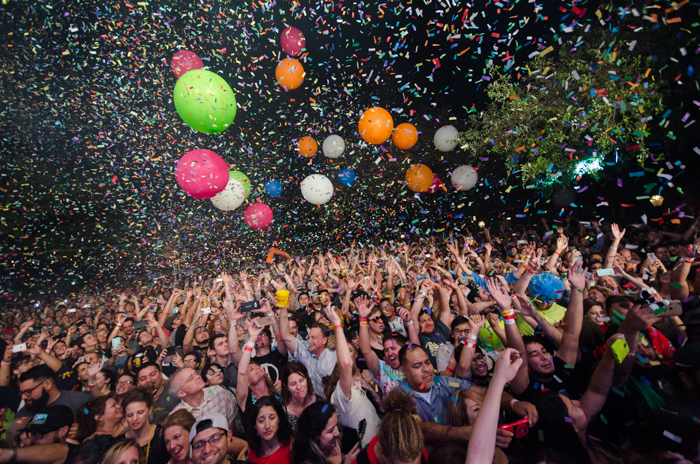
(283, 298)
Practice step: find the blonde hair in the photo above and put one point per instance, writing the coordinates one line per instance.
(115, 452)
(457, 410)
(181, 418)
(400, 436)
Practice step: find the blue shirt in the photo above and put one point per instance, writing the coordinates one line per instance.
(318, 367)
(440, 396)
(430, 345)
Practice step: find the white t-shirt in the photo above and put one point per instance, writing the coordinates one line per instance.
(352, 411)
(444, 355)
(397, 326)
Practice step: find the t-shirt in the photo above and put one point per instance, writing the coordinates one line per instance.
(552, 315)
(352, 411)
(562, 382)
(271, 363)
(368, 456)
(488, 337)
(72, 399)
(388, 378)
(440, 335)
(281, 456)
(444, 355)
(164, 405)
(362, 362)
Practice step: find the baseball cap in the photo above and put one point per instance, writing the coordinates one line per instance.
(50, 418)
(213, 420)
(687, 357)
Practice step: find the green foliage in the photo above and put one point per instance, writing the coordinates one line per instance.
(549, 111)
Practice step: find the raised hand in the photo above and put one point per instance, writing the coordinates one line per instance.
(525, 308)
(576, 279)
(476, 322)
(332, 314)
(638, 318)
(363, 306)
(562, 243)
(507, 365)
(403, 313)
(493, 319)
(502, 298)
(616, 232)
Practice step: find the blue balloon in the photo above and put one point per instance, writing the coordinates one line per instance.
(347, 177)
(273, 188)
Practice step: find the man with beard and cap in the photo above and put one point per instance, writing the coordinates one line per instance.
(209, 440)
(38, 389)
(45, 439)
(150, 376)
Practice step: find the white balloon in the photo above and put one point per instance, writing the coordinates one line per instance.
(464, 178)
(317, 189)
(333, 146)
(231, 197)
(446, 138)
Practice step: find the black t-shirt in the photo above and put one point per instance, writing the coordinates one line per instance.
(562, 382)
(72, 453)
(272, 363)
(362, 363)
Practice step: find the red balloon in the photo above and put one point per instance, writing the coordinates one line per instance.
(258, 216)
(184, 61)
(202, 173)
(292, 41)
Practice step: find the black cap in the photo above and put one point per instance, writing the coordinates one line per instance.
(687, 357)
(50, 418)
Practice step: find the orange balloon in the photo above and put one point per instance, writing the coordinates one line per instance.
(289, 73)
(307, 146)
(419, 178)
(405, 136)
(375, 125)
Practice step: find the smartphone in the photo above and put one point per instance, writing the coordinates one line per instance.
(176, 310)
(81, 359)
(140, 325)
(250, 306)
(206, 310)
(171, 350)
(19, 348)
(674, 308)
(116, 341)
(519, 428)
(605, 272)
(71, 310)
(264, 321)
(652, 256)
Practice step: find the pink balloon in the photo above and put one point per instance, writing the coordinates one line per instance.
(184, 61)
(436, 184)
(202, 173)
(258, 216)
(292, 41)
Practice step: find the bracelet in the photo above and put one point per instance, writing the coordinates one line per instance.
(363, 323)
(557, 253)
(48, 350)
(409, 322)
(248, 348)
(512, 402)
(509, 321)
(471, 345)
(451, 371)
(337, 327)
(472, 336)
(119, 325)
(421, 292)
(91, 385)
(530, 272)
(689, 260)
(5, 363)
(363, 319)
(13, 455)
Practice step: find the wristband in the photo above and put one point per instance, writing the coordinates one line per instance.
(451, 371)
(509, 321)
(472, 336)
(530, 272)
(248, 348)
(363, 323)
(91, 385)
(5, 363)
(512, 402)
(557, 253)
(48, 350)
(13, 455)
(119, 325)
(337, 327)
(409, 322)
(471, 345)
(689, 260)
(363, 319)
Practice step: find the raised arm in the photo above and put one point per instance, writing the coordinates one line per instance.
(364, 306)
(287, 338)
(482, 442)
(343, 352)
(464, 366)
(613, 248)
(242, 382)
(234, 315)
(598, 389)
(573, 319)
(562, 244)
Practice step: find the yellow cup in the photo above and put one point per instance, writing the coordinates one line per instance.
(283, 298)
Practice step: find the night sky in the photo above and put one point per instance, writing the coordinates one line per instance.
(90, 136)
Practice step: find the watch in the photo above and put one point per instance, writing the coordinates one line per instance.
(13, 455)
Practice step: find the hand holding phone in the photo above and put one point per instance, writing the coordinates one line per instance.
(519, 428)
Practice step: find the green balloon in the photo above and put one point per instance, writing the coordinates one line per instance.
(243, 179)
(204, 101)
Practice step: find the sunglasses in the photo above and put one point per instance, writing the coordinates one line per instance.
(376, 319)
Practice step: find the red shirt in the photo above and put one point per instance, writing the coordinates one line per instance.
(368, 455)
(281, 456)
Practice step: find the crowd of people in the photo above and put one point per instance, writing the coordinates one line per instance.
(577, 342)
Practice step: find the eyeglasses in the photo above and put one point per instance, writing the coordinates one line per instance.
(31, 390)
(376, 319)
(190, 361)
(386, 306)
(461, 332)
(125, 382)
(199, 445)
(478, 360)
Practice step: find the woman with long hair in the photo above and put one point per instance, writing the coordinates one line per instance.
(138, 406)
(317, 439)
(269, 433)
(297, 391)
(124, 452)
(176, 434)
(101, 416)
(253, 382)
(400, 438)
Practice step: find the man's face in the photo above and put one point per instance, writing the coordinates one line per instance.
(391, 353)
(84, 329)
(35, 394)
(480, 367)
(190, 382)
(539, 359)
(663, 254)
(317, 341)
(461, 332)
(626, 255)
(418, 370)
(293, 329)
(150, 377)
(652, 235)
(46, 438)
(427, 326)
(59, 348)
(201, 337)
(145, 339)
(263, 341)
(205, 452)
(128, 327)
(221, 347)
(376, 323)
(303, 300)
(92, 358)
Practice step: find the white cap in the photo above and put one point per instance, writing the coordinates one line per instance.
(213, 420)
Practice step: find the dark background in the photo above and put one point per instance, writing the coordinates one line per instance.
(89, 135)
